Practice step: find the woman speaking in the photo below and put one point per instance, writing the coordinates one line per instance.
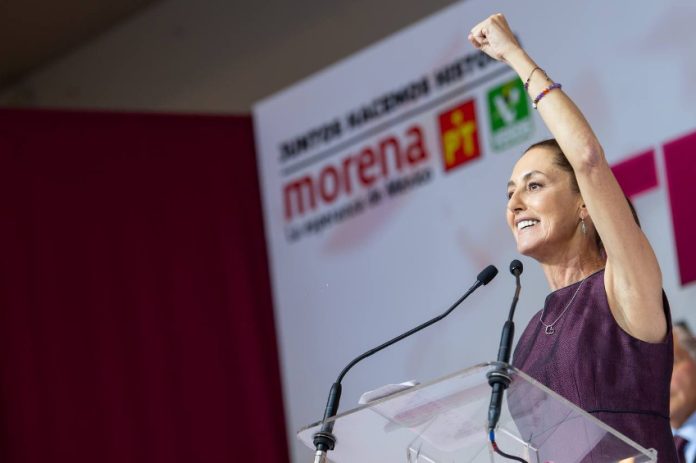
(602, 339)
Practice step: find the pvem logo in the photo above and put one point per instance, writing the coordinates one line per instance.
(509, 115)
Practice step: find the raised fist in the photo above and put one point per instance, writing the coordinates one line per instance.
(494, 37)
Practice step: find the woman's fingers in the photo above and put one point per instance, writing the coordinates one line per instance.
(477, 41)
(473, 40)
(493, 36)
(477, 36)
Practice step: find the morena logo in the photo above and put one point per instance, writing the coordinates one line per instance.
(355, 172)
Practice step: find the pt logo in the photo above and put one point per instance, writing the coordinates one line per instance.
(459, 135)
(510, 118)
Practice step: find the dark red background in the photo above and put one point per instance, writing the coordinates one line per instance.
(135, 311)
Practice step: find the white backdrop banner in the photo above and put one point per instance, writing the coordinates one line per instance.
(384, 179)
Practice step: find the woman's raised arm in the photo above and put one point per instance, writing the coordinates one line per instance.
(632, 277)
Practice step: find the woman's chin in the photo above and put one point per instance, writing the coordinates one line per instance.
(527, 249)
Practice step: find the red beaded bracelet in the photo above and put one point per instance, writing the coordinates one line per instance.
(544, 92)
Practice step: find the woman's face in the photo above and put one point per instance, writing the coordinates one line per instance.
(543, 211)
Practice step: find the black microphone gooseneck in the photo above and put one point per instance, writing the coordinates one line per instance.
(498, 378)
(324, 440)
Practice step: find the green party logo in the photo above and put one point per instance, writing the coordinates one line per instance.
(510, 117)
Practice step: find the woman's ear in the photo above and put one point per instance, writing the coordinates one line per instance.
(583, 211)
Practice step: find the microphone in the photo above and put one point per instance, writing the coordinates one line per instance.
(485, 277)
(324, 440)
(516, 267)
(498, 377)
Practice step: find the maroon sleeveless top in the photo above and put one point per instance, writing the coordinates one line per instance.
(595, 364)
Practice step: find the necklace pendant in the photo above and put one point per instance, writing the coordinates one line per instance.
(549, 330)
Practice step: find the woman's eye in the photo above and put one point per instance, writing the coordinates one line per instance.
(509, 194)
(534, 186)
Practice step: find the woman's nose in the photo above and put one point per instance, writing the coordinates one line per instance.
(515, 202)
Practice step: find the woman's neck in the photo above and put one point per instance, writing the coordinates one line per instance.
(563, 272)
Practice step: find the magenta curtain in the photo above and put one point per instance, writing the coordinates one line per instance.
(135, 310)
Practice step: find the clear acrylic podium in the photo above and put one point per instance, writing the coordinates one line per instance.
(445, 421)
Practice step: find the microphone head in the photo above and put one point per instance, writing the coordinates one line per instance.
(487, 274)
(516, 267)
